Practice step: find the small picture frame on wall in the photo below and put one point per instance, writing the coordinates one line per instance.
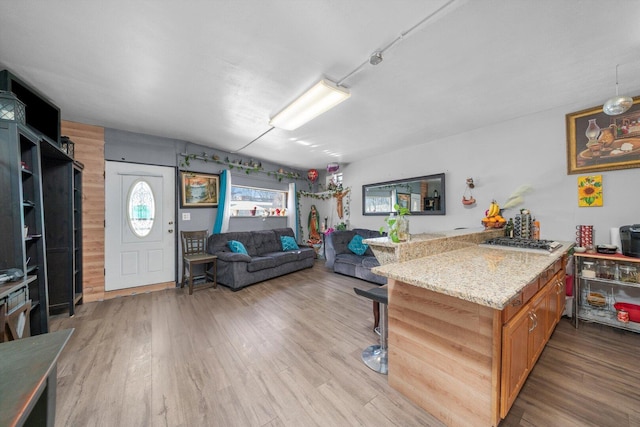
(598, 142)
(199, 190)
(590, 191)
(404, 200)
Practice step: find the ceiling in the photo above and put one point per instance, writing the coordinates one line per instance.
(214, 72)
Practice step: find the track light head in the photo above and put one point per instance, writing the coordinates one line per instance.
(375, 58)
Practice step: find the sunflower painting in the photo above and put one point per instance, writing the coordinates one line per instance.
(590, 190)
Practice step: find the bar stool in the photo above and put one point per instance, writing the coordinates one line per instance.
(375, 356)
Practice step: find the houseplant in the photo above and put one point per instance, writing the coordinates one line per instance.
(397, 224)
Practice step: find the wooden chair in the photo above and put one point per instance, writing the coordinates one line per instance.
(194, 252)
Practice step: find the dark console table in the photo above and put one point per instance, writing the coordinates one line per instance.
(28, 379)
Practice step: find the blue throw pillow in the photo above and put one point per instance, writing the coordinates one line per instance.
(288, 243)
(237, 247)
(356, 246)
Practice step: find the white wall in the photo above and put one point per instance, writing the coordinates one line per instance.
(529, 150)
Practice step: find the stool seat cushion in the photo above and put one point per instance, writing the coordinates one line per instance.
(376, 294)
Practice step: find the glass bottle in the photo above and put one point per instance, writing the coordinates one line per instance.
(605, 269)
(628, 273)
(508, 229)
(403, 228)
(588, 270)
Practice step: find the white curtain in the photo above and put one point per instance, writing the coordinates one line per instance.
(292, 204)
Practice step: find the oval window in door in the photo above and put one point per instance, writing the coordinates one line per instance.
(141, 209)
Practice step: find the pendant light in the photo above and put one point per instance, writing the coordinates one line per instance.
(618, 104)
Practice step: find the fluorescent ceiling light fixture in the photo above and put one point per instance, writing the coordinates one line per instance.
(322, 97)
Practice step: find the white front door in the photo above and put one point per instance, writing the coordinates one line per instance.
(140, 240)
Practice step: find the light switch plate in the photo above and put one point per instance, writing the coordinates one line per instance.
(186, 216)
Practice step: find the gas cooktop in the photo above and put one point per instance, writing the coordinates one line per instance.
(529, 245)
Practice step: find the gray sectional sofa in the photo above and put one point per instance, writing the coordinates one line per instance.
(342, 260)
(265, 259)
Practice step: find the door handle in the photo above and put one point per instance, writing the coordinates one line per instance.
(533, 324)
(170, 222)
(170, 231)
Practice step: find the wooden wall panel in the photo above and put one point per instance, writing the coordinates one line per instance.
(89, 150)
(443, 354)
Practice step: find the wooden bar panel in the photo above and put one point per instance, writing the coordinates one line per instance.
(89, 149)
(444, 354)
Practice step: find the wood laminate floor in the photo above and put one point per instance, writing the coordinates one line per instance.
(286, 352)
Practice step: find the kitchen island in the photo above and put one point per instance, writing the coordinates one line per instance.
(467, 325)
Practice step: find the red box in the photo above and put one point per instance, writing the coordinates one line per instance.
(632, 309)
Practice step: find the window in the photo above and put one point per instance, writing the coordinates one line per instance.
(380, 202)
(141, 208)
(334, 180)
(251, 201)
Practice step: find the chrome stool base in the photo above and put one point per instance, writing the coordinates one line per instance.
(375, 357)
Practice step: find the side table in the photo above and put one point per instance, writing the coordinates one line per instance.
(29, 375)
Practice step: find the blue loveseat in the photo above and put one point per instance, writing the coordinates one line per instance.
(344, 261)
(265, 259)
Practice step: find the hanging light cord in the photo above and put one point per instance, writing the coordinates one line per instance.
(398, 39)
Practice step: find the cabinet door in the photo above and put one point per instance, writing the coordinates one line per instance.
(515, 357)
(552, 290)
(560, 295)
(538, 332)
(555, 290)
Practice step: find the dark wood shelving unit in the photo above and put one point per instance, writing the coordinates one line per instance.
(41, 185)
(62, 180)
(21, 186)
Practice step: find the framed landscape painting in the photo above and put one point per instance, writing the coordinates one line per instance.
(199, 190)
(598, 142)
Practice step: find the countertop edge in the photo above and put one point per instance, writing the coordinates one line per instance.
(493, 295)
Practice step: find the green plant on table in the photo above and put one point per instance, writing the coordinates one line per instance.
(396, 224)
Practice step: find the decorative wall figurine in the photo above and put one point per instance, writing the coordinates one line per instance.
(339, 196)
(467, 197)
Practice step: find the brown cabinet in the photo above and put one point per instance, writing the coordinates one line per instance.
(526, 332)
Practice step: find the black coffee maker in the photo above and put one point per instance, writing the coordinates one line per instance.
(630, 238)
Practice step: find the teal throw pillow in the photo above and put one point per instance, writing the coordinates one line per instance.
(237, 247)
(356, 246)
(288, 243)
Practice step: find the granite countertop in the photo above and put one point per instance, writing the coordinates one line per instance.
(486, 276)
